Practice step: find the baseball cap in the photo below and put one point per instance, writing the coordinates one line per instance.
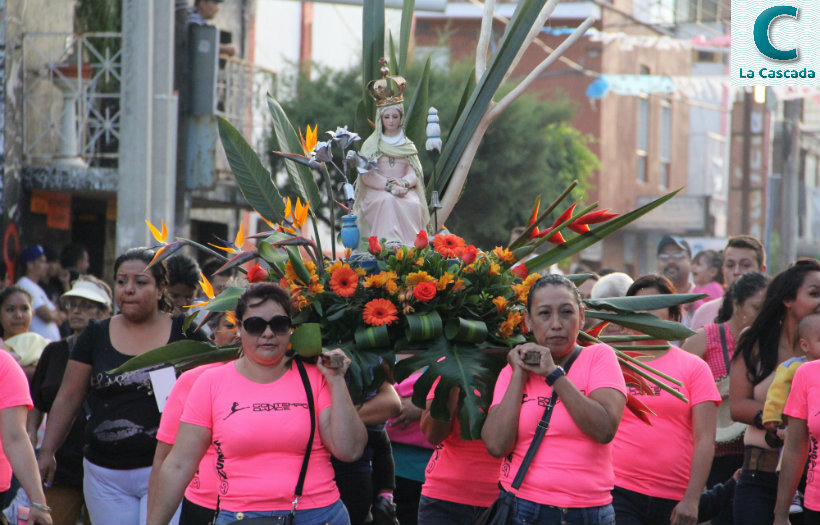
(88, 290)
(35, 251)
(677, 241)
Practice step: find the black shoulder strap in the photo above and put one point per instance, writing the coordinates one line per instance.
(724, 345)
(309, 391)
(541, 431)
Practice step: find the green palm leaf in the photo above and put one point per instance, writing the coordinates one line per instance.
(647, 324)
(407, 8)
(170, 354)
(416, 119)
(372, 51)
(641, 302)
(463, 366)
(253, 179)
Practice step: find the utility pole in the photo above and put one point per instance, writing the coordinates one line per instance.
(792, 113)
(148, 122)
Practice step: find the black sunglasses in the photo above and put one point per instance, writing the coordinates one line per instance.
(255, 326)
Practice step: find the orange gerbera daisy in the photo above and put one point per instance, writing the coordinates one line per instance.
(379, 312)
(344, 281)
(449, 245)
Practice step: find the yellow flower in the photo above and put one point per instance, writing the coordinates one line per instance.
(361, 272)
(333, 267)
(237, 242)
(459, 286)
(400, 254)
(444, 281)
(297, 214)
(523, 289)
(207, 289)
(507, 327)
(495, 269)
(310, 139)
(419, 261)
(500, 303)
(160, 237)
(415, 278)
(316, 288)
(504, 255)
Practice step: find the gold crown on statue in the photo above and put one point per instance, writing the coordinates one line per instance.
(382, 89)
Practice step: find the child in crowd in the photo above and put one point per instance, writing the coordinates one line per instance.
(808, 333)
(707, 276)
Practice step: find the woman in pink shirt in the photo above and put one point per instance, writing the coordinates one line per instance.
(570, 477)
(455, 464)
(256, 413)
(681, 436)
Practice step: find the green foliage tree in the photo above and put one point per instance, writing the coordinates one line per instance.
(530, 149)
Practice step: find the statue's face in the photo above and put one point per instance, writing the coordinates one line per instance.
(391, 121)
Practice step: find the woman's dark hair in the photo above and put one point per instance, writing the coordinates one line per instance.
(183, 269)
(744, 287)
(158, 271)
(8, 292)
(662, 284)
(554, 279)
(712, 259)
(259, 293)
(765, 330)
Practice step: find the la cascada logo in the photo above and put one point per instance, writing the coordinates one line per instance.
(775, 43)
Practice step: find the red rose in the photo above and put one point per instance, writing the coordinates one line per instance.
(375, 248)
(257, 274)
(424, 291)
(520, 270)
(469, 254)
(421, 240)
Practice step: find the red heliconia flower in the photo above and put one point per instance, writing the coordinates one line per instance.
(637, 407)
(581, 224)
(469, 254)
(257, 274)
(555, 238)
(421, 240)
(596, 330)
(374, 246)
(520, 270)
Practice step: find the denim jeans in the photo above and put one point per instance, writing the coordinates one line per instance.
(334, 514)
(634, 508)
(755, 497)
(433, 511)
(525, 512)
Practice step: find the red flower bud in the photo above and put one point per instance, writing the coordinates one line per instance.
(520, 270)
(257, 274)
(469, 254)
(374, 247)
(424, 291)
(421, 240)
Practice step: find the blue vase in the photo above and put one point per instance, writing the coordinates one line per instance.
(350, 232)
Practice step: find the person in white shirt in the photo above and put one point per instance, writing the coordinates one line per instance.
(34, 266)
(743, 254)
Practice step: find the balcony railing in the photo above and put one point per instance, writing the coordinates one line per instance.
(71, 107)
(242, 89)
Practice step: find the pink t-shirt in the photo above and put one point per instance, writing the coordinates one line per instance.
(705, 314)
(456, 464)
(570, 469)
(713, 289)
(804, 403)
(202, 489)
(639, 449)
(260, 432)
(14, 392)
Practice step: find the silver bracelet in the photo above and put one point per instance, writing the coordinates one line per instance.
(41, 507)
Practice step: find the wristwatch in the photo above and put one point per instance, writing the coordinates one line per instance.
(554, 375)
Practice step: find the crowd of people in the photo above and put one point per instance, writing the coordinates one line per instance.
(273, 438)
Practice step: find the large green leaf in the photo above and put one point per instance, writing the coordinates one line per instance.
(463, 366)
(253, 179)
(469, 87)
(225, 301)
(365, 372)
(172, 353)
(372, 51)
(416, 119)
(641, 302)
(300, 176)
(526, 11)
(407, 8)
(576, 244)
(647, 324)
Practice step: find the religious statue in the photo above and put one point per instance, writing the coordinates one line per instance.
(390, 199)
